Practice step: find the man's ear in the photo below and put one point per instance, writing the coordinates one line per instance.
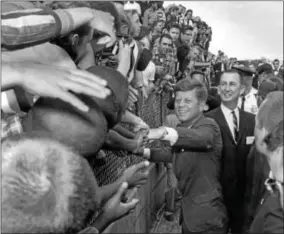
(242, 89)
(74, 39)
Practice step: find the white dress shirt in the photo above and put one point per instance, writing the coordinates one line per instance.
(229, 117)
(250, 102)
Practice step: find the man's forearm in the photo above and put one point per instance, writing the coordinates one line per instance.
(123, 131)
(130, 118)
(11, 75)
(20, 31)
(115, 141)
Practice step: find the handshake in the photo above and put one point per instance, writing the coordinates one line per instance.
(145, 137)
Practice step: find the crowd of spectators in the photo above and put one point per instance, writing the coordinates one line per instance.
(72, 75)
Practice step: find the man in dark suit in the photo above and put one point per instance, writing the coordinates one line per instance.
(195, 153)
(237, 129)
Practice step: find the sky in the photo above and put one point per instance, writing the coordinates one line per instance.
(242, 29)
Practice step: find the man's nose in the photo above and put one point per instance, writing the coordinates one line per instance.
(227, 87)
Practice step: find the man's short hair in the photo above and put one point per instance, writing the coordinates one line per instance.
(46, 187)
(188, 85)
(173, 25)
(271, 84)
(270, 117)
(156, 22)
(265, 68)
(189, 10)
(234, 71)
(276, 60)
(165, 36)
(186, 28)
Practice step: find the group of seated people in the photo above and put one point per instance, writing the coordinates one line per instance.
(72, 73)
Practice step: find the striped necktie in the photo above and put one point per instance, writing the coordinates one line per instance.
(236, 130)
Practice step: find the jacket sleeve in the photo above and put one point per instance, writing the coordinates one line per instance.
(161, 155)
(200, 138)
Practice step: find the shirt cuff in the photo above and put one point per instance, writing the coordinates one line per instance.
(172, 136)
(147, 153)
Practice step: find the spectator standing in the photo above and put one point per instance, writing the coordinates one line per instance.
(248, 100)
(237, 128)
(150, 15)
(276, 66)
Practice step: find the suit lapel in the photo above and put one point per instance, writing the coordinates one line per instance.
(224, 125)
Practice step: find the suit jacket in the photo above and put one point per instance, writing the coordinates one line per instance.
(196, 162)
(234, 160)
(269, 217)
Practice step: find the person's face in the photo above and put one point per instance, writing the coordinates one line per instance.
(189, 15)
(276, 64)
(159, 27)
(275, 158)
(145, 43)
(79, 44)
(187, 107)
(248, 81)
(166, 44)
(154, 6)
(230, 87)
(194, 52)
(199, 78)
(174, 33)
(136, 24)
(262, 77)
(187, 36)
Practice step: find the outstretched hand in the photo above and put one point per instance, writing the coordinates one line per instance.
(115, 209)
(136, 175)
(55, 82)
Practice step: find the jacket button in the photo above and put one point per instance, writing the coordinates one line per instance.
(182, 150)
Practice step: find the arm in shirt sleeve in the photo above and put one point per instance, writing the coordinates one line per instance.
(200, 138)
(25, 28)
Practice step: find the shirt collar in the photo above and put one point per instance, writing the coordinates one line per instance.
(226, 110)
(253, 91)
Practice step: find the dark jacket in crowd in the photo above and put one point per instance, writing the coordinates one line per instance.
(233, 165)
(257, 172)
(196, 163)
(269, 216)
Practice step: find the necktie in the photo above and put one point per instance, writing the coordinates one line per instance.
(243, 102)
(235, 121)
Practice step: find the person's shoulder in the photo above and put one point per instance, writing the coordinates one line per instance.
(206, 120)
(212, 113)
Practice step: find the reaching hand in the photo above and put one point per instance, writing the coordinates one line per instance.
(104, 22)
(141, 126)
(141, 138)
(157, 133)
(55, 82)
(115, 209)
(134, 175)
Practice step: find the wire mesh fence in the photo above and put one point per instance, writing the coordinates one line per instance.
(153, 111)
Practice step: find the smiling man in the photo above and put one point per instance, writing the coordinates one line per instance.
(195, 152)
(237, 128)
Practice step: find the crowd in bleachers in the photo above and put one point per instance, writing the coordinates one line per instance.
(73, 73)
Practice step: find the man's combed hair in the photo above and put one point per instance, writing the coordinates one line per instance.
(234, 71)
(188, 85)
(46, 187)
(165, 36)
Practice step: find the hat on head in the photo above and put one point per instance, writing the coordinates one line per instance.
(244, 69)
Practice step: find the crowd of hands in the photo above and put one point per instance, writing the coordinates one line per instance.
(63, 83)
